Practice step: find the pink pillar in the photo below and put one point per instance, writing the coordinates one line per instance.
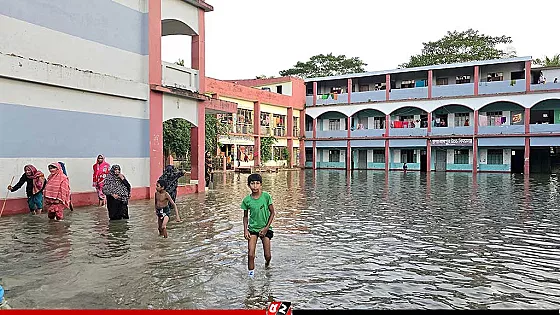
(528, 76)
(475, 139)
(198, 137)
(257, 133)
(348, 155)
(302, 136)
(224, 162)
(386, 155)
(314, 143)
(429, 155)
(527, 120)
(349, 91)
(476, 79)
(430, 81)
(156, 98)
(290, 134)
(314, 93)
(387, 87)
(429, 123)
(475, 114)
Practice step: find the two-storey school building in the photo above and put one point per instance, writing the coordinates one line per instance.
(485, 116)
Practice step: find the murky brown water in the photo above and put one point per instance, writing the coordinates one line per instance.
(368, 241)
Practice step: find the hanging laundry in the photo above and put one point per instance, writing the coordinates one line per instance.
(482, 120)
(503, 120)
(497, 121)
(335, 96)
(324, 96)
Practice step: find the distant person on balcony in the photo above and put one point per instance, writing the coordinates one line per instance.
(467, 123)
(171, 176)
(555, 80)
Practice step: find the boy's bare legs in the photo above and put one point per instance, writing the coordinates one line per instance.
(266, 249)
(164, 226)
(252, 244)
(160, 221)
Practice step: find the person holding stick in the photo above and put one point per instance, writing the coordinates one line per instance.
(35, 184)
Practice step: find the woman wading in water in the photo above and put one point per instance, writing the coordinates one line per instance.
(117, 189)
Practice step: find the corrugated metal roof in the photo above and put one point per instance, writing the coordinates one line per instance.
(425, 68)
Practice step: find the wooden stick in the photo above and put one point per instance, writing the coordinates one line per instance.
(6, 199)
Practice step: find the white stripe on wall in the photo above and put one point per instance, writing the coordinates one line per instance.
(38, 95)
(40, 43)
(138, 5)
(80, 172)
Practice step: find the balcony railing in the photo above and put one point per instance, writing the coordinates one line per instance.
(544, 128)
(295, 132)
(412, 93)
(180, 77)
(309, 134)
(503, 129)
(497, 87)
(444, 131)
(369, 96)
(279, 131)
(332, 133)
(453, 90)
(244, 128)
(546, 86)
(265, 130)
(340, 99)
(417, 132)
(367, 133)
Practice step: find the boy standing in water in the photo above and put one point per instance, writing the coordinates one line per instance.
(257, 218)
(163, 200)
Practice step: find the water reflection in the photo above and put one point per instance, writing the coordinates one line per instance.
(342, 240)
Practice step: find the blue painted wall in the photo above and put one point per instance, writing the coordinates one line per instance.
(35, 132)
(102, 21)
(494, 167)
(453, 90)
(459, 167)
(331, 165)
(411, 166)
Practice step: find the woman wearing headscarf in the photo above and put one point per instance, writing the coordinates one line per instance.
(57, 192)
(100, 171)
(117, 189)
(171, 176)
(35, 181)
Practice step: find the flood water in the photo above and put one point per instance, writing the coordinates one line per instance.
(366, 241)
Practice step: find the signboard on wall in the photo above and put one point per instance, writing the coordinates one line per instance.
(239, 140)
(452, 142)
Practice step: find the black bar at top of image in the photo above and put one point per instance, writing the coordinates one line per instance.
(373, 311)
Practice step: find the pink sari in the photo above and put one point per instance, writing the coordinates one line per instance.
(100, 171)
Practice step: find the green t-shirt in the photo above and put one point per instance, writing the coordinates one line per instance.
(258, 211)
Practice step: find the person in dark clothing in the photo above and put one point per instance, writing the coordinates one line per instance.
(208, 168)
(35, 181)
(117, 189)
(171, 176)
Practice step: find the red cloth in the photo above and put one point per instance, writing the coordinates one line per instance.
(38, 178)
(100, 171)
(58, 186)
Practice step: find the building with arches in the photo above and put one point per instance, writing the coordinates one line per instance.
(81, 78)
(484, 116)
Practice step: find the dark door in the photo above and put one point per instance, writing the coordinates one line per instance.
(441, 160)
(423, 161)
(362, 159)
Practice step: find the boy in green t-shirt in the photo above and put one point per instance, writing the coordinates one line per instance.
(257, 218)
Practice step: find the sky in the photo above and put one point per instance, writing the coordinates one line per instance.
(246, 38)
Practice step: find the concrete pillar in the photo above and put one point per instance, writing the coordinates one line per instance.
(314, 93)
(387, 87)
(349, 91)
(430, 79)
(528, 76)
(429, 155)
(476, 79)
(526, 163)
(257, 133)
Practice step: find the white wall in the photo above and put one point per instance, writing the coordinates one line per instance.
(286, 88)
(551, 74)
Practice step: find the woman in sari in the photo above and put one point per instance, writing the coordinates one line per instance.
(171, 176)
(35, 183)
(117, 189)
(100, 171)
(57, 192)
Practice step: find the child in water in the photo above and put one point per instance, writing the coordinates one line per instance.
(258, 214)
(163, 200)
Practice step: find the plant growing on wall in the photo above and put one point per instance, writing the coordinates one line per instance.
(266, 148)
(214, 128)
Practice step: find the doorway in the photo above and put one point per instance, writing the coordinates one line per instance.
(423, 161)
(540, 160)
(517, 161)
(362, 159)
(441, 160)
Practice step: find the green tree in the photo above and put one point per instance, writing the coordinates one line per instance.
(463, 46)
(176, 137)
(266, 148)
(554, 61)
(325, 65)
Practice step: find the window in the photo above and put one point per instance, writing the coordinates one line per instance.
(279, 124)
(334, 155)
(279, 89)
(364, 88)
(462, 79)
(310, 91)
(462, 119)
(441, 81)
(408, 156)
(279, 153)
(406, 84)
(495, 76)
(244, 121)
(295, 126)
(495, 156)
(378, 122)
(308, 154)
(461, 157)
(378, 156)
(493, 117)
(334, 124)
(518, 75)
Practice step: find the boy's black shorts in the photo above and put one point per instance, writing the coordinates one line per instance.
(268, 234)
